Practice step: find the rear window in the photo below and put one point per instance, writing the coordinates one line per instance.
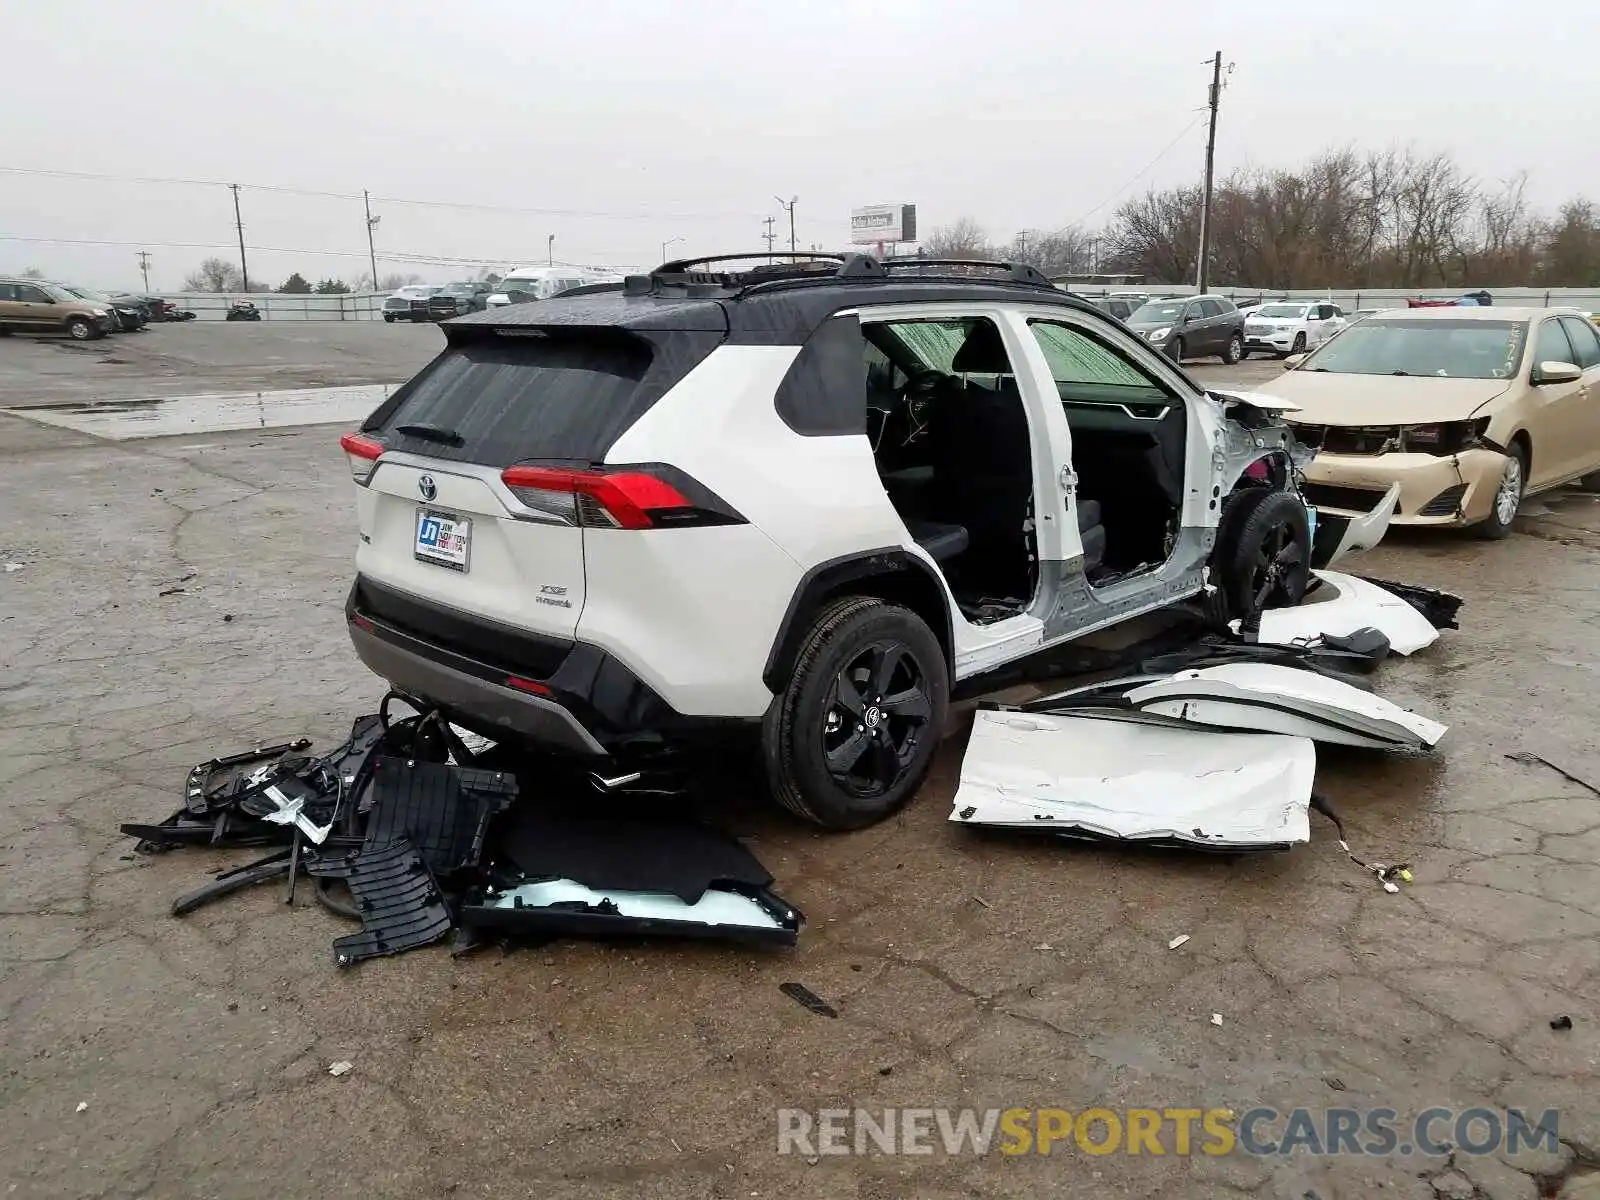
(560, 394)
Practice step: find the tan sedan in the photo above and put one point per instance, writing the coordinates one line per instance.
(1467, 409)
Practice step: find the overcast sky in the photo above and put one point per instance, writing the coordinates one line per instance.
(643, 120)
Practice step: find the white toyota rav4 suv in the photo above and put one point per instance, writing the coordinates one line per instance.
(805, 500)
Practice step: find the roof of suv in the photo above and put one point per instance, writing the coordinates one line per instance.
(780, 304)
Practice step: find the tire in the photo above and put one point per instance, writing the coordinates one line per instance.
(80, 329)
(850, 641)
(1233, 352)
(1299, 346)
(388, 318)
(1175, 349)
(1262, 557)
(1507, 496)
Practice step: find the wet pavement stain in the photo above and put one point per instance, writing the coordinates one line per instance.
(218, 412)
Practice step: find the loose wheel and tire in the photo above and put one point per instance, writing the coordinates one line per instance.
(1262, 557)
(850, 738)
(80, 329)
(1507, 495)
(1234, 352)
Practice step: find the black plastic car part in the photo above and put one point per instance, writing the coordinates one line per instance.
(443, 811)
(396, 897)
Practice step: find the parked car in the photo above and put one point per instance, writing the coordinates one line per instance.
(127, 314)
(457, 299)
(140, 303)
(243, 310)
(1118, 307)
(1467, 409)
(525, 284)
(1192, 327)
(166, 310)
(553, 550)
(37, 306)
(402, 305)
(1287, 327)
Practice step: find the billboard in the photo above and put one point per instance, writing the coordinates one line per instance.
(883, 223)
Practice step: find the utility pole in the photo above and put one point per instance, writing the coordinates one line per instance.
(789, 205)
(769, 235)
(144, 267)
(550, 251)
(372, 223)
(1204, 271)
(238, 223)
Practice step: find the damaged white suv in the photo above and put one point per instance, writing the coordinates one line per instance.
(806, 500)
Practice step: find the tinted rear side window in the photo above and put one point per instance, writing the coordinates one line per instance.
(558, 394)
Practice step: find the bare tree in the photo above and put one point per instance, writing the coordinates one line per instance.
(214, 275)
(1067, 251)
(1572, 246)
(964, 239)
(33, 273)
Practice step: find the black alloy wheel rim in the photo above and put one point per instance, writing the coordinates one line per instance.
(877, 717)
(1277, 559)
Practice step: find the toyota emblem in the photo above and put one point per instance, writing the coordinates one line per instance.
(426, 486)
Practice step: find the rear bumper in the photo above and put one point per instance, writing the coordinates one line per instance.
(486, 704)
(569, 697)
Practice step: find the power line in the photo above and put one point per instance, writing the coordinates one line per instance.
(412, 257)
(1137, 175)
(406, 200)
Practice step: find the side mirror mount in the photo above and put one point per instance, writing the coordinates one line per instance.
(1293, 361)
(1552, 371)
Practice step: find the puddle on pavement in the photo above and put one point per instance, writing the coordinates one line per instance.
(217, 412)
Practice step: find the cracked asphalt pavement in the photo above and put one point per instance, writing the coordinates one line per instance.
(142, 1055)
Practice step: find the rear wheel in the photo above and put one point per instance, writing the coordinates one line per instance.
(1234, 351)
(850, 738)
(1507, 495)
(1262, 557)
(80, 329)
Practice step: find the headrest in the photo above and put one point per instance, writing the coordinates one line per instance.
(983, 353)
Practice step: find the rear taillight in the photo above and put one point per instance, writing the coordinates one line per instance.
(625, 499)
(363, 454)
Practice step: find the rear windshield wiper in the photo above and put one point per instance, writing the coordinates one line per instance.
(432, 433)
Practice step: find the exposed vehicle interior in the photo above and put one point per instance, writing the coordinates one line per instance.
(1129, 435)
(950, 436)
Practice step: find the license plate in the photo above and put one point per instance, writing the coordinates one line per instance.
(444, 538)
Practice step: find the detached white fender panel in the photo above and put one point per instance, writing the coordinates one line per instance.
(1277, 699)
(1342, 605)
(1083, 777)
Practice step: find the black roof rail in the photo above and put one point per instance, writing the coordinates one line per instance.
(590, 289)
(694, 273)
(1016, 272)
